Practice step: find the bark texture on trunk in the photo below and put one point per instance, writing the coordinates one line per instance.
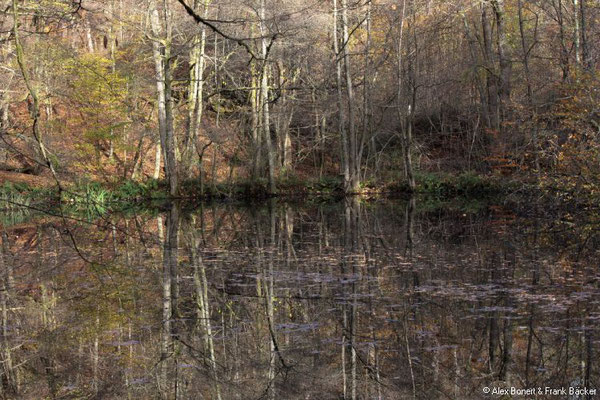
(161, 50)
(195, 93)
(264, 93)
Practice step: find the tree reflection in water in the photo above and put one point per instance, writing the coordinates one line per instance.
(353, 300)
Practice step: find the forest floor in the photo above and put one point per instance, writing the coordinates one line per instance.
(32, 181)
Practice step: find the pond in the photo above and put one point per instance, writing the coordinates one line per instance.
(386, 299)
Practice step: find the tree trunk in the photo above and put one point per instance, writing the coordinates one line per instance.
(354, 162)
(195, 94)
(405, 119)
(341, 112)
(483, 98)
(34, 109)
(157, 159)
(504, 62)
(491, 79)
(366, 117)
(564, 51)
(88, 36)
(576, 32)
(584, 43)
(161, 45)
(525, 49)
(113, 67)
(255, 123)
(407, 148)
(264, 92)
(284, 115)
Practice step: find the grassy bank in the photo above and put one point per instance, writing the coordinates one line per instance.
(92, 200)
(106, 196)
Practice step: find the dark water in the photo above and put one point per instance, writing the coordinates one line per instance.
(379, 300)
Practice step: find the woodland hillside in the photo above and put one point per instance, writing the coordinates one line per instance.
(368, 92)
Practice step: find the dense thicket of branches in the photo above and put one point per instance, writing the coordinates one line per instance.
(230, 89)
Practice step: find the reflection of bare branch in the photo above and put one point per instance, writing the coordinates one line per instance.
(275, 345)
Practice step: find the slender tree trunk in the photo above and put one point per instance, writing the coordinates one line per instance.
(34, 108)
(137, 157)
(4, 113)
(255, 123)
(525, 49)
(264, 91)
(157, 52)
(113, 67)
(564, 53)
(157, 159)
(341, 111)
(576, 32)
(584, 41)
(88, 36)
(491, 79)
(366, 117)
(285, 113)
(483, 99)
(404, 118)
(161, 47)
(354, 162)
(171, 147)
(195, 93)
(505, 64)
(4, 122)
(407, 147)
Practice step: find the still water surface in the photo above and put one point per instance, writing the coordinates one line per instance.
(353, 300)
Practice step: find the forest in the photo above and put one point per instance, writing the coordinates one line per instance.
(286, 199)
(198, 97)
